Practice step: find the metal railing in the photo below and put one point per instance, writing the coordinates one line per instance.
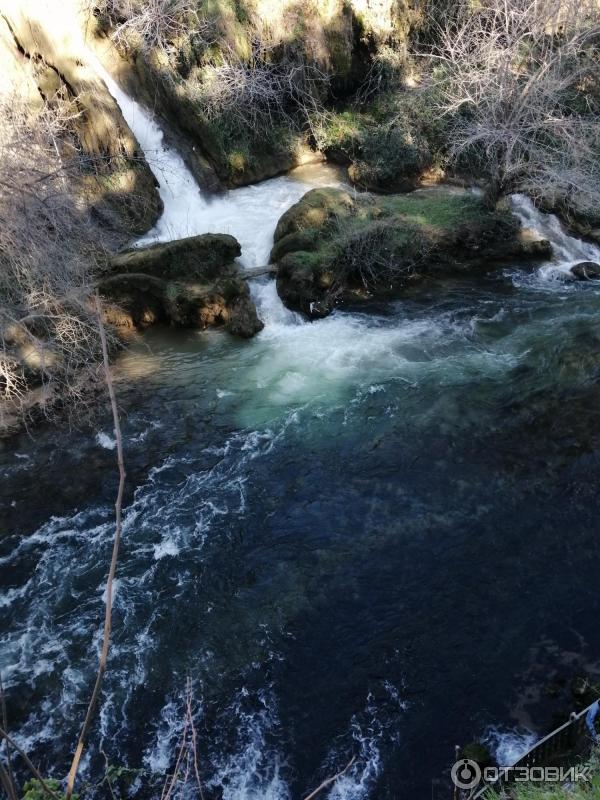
(568, 743)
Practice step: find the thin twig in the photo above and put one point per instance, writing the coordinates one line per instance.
(113, 564)
(194, 739)
(328, 781)
(7, 784)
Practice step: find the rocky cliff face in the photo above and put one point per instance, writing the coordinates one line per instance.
(43, 53)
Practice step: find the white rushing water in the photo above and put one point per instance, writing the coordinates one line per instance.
(249, 213)
(567, 250)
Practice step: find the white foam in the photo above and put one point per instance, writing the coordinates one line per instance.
(249, 213)
(567, 250)
(106, 441)
(167, 547)
(508, 745)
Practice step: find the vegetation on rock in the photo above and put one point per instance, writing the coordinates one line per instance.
(192, 283)
(332, 245)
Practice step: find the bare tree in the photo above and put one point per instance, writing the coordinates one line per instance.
(49, 343)
(520, 80)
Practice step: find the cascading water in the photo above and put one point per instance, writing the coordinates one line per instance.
(250, 213)
(567, 249)
(334, 530)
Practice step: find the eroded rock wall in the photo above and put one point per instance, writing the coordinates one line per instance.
(43, 53)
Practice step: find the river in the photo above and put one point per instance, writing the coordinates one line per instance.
(375, 534)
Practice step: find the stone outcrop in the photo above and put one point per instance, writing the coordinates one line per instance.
(46, 52)
(191, 283)
(331, 246)
(337, 40)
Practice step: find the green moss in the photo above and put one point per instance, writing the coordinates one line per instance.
(436, 208)
(332, 243)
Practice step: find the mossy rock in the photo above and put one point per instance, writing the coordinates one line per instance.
(332, 246)
(190, 283)
(313, 211)
(194, 258)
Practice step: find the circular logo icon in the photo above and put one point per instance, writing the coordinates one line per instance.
(465, 774)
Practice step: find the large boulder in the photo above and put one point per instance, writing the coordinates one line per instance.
(191, 283)
(194, 258)
(332, 246)
(586, 270)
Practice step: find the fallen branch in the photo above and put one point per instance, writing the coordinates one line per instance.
(113, 564)
(328, 781)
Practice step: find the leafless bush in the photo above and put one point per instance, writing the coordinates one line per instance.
(376, 254)
(186, 770)
(48, 333)
(518, 78)
(257, 93)
(151, 23)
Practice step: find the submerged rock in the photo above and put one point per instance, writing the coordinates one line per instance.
(586, 270)
(191, 283)
(332, 246)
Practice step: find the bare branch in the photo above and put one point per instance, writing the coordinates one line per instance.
(46, 789)
(520, 81)
(113, 564)
(150, 23)
(329, 781)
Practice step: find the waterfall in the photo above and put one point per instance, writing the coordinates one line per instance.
(568, 250)
(249, 213)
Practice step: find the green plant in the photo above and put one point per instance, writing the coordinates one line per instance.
(33, 789)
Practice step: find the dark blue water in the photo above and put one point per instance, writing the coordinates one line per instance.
(375, 535)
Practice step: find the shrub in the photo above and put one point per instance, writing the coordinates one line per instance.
(391, 158)
(519, 82)
(379, 254)
(48, 333)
